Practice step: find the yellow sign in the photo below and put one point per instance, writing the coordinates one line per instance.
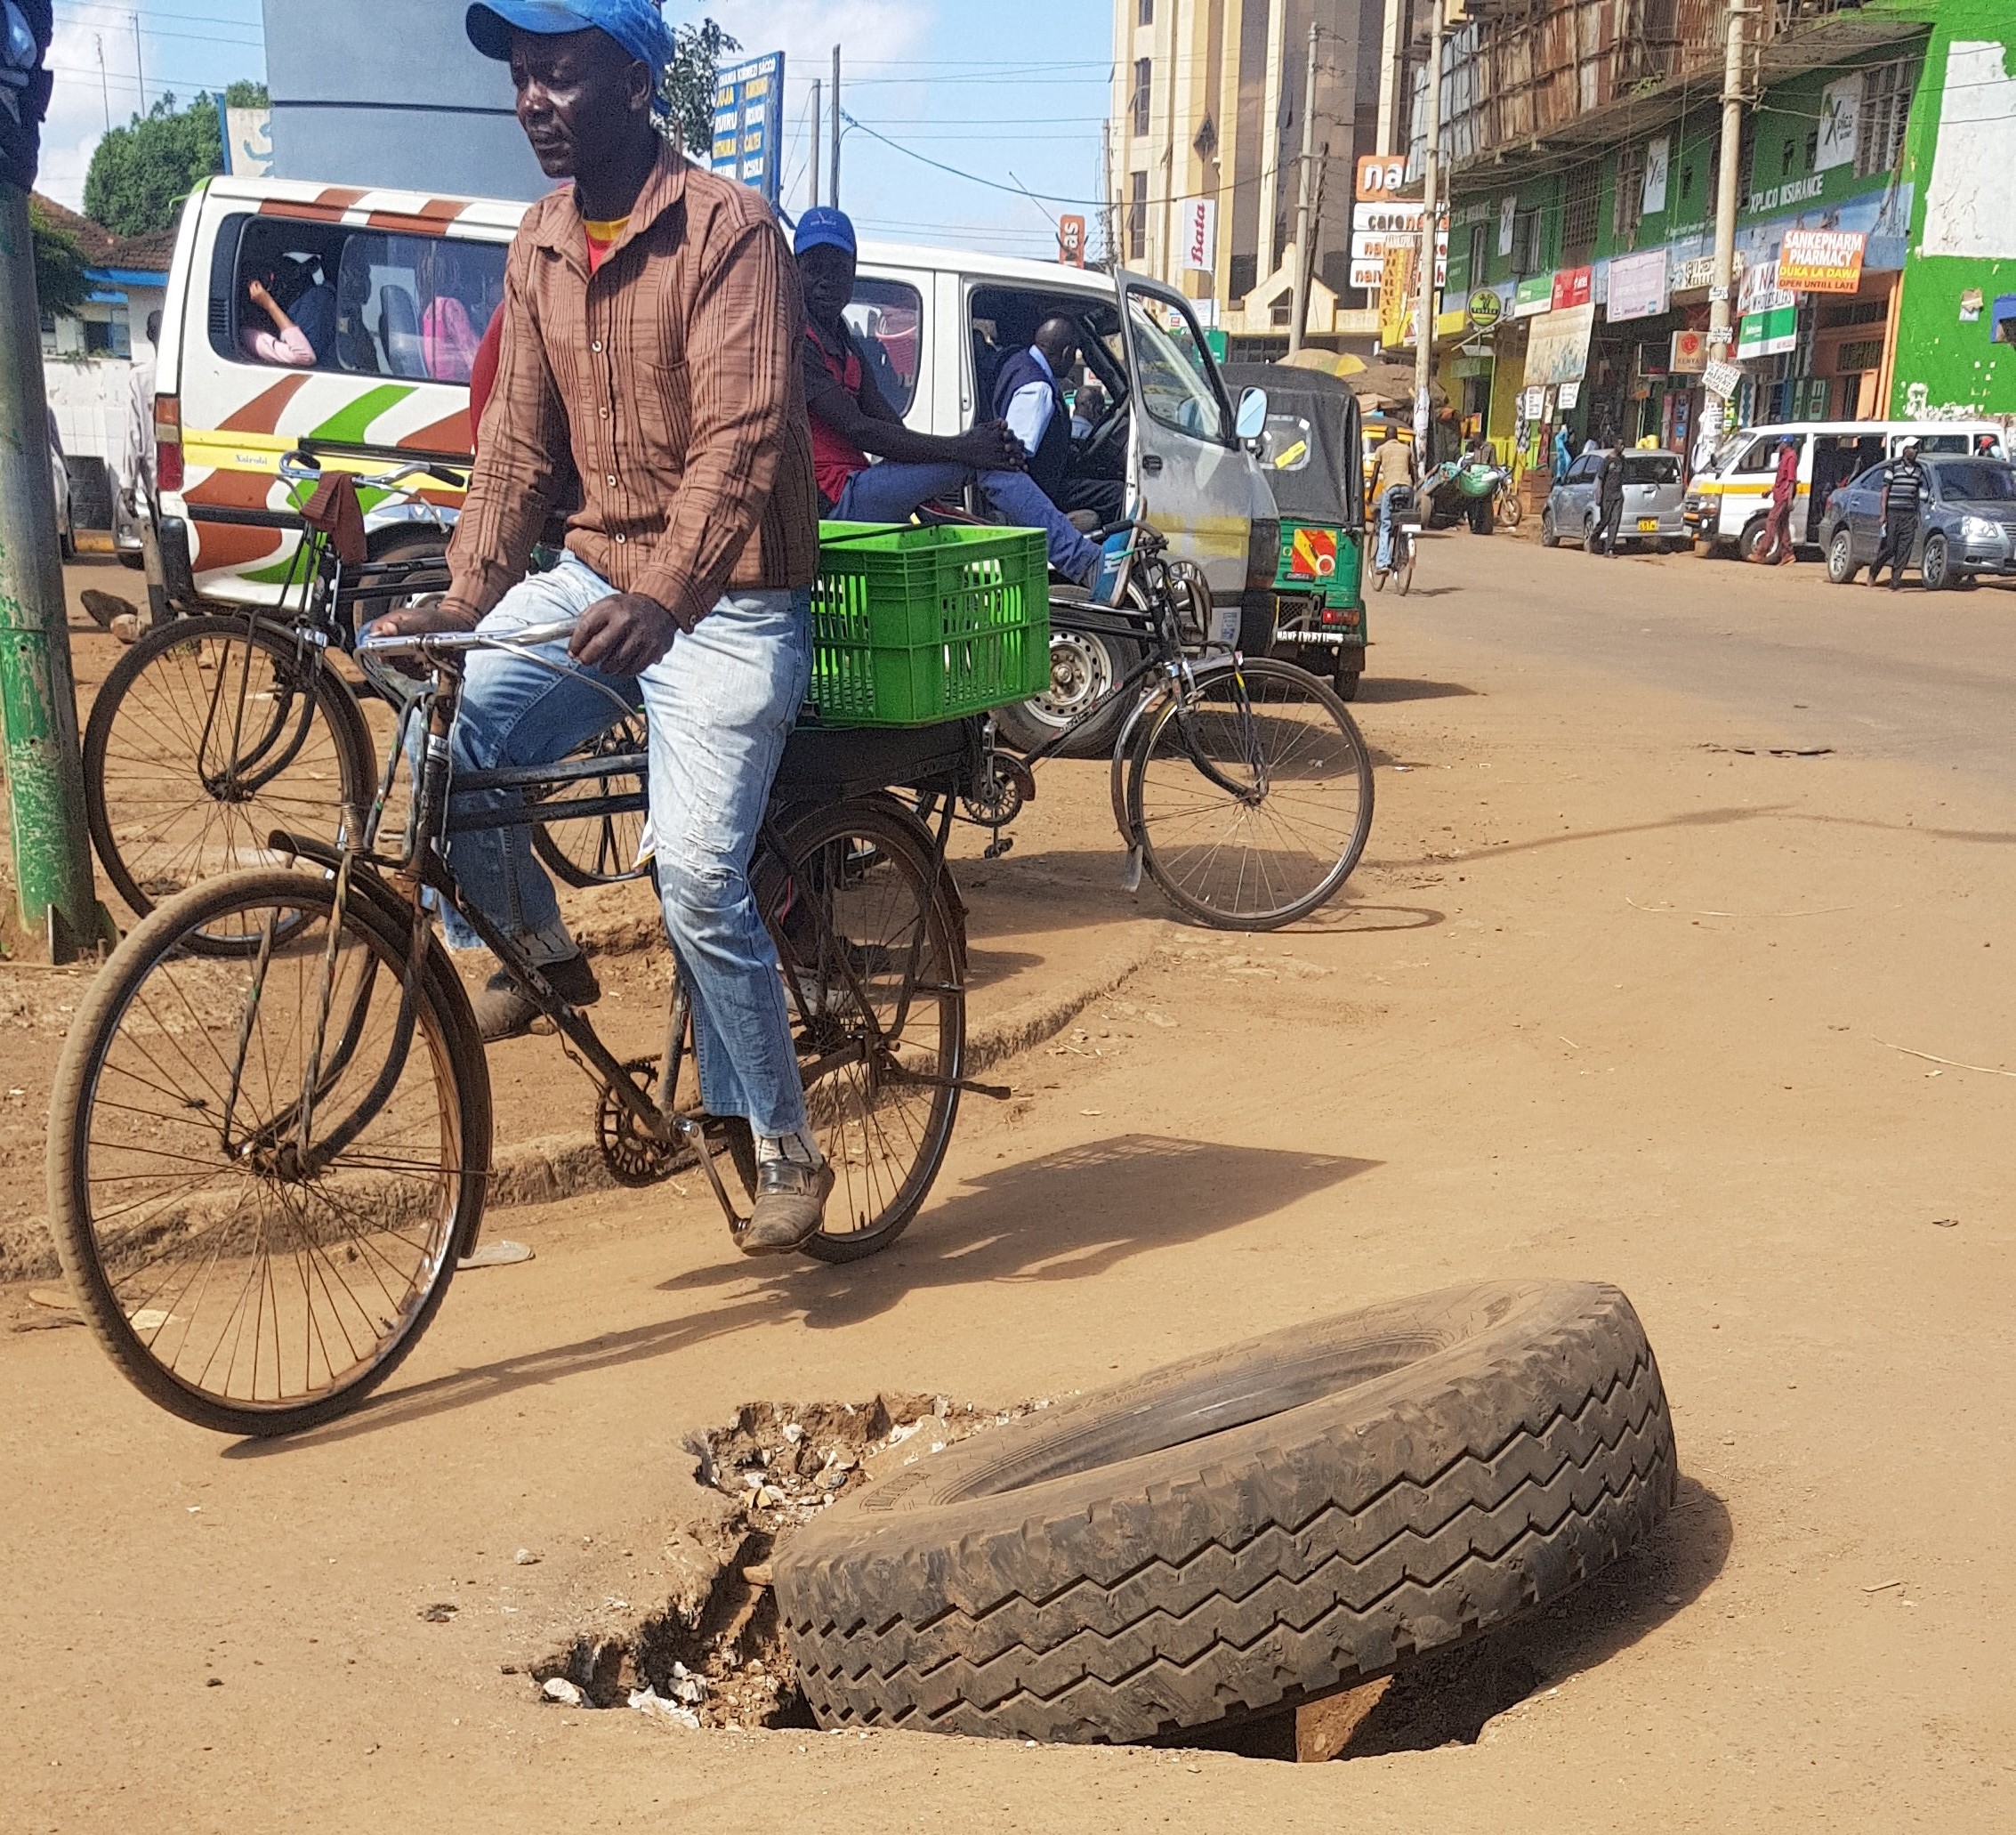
(1396, 291)
(1313, 555)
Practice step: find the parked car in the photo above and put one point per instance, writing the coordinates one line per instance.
(409, 283)
(1966, 529)
(1652, 515)
(1729, 498)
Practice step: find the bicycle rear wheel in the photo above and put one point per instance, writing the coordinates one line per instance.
(867, 934)
(236, 1280)
(1250, 795)
(208, 734)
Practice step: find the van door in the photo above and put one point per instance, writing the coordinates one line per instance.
(1190, 476)
(1747, 485)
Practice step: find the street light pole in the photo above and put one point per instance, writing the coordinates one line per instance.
(1298, 322)
(835, 185)
(38, 711)
(1431, 185)
(1723, 289)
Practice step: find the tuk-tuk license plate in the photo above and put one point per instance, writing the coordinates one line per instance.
(1648, 524)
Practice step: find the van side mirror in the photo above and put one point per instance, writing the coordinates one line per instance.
(1253, 413)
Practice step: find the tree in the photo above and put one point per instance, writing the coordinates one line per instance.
(60, 283)
(141, 173)
(687, 88)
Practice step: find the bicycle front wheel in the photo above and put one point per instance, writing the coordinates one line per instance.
(595, 849)
(208, 734)
(247, 1272)
(868, 938)
(1250, 795)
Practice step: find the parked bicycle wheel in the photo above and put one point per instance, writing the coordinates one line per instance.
(868, 934)
(208, 734)
(595, 849)
(1250, 795)
(247, 1270)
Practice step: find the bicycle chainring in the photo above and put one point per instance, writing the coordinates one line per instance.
(631, 1156)
(999, 791)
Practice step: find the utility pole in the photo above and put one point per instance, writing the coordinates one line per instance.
(834, 186)
(1298, 319)
(813, 200)
(1721, 292)
(38, 710)
(1389, 65)
(104, 83)
(1430, 203)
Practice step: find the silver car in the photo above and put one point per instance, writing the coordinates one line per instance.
(1652, 502)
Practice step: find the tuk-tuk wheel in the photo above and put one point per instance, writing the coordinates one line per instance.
(1345, 680)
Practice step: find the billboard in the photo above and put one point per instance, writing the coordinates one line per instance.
(749, 123)
(1197, 234)
(1821, 261)
(1637, 285)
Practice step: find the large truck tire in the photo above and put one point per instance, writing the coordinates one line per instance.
(1242, 1532)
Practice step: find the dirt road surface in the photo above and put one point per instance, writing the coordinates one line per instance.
(1630, 986)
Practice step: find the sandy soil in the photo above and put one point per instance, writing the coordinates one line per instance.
(1608, 998)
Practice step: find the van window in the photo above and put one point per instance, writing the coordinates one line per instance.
(1762, 456)
(1176, 383)
(885, 318)
(1930, 444)
(369, 301)
(1651, 468)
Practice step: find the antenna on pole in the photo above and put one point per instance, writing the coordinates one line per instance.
(104, 84)
(139, 69)
(813, 200)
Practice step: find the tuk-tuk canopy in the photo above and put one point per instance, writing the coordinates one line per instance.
(1311, 450)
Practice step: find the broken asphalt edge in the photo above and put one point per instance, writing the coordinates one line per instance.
(555, 1167)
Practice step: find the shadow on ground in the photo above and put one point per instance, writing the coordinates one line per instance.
(1065, 1217)
(1401, 688)
(1450, 1696)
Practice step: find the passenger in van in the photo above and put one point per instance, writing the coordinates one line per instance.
(1029, 396)
(302, 311)
(853, 424)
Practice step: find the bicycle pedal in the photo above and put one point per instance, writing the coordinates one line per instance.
(1130, 879)
(542, 1027)
(999, 846)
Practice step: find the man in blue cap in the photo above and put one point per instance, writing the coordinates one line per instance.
(853, 424)
(651, 321)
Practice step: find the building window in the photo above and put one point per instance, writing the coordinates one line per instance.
(1144, 77)
(1578, 216)
(1137, 217)
(1146, 14)
(1526, 243)
(1244, 276)
(1885, 113)
(1630, 203)
(108, 337)
(1479, 242)
(1864, 353)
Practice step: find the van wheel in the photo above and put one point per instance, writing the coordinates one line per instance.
(1751, 539)
(1086, 666)
(1842, 568)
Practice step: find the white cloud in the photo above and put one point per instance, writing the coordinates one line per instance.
(78, 104)
(807, 30)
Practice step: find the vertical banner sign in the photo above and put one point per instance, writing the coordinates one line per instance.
(1398, 306)
(1840, 120)
(1658, 163)
(1198, 234)
(1071, 241)
(749, 123)
(1769, 324)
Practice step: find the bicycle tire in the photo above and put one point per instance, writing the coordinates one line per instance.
(845, 1135)
(443, 1029)
(1277, 686)
(584, 851)
(112, 812)
(1403, 580)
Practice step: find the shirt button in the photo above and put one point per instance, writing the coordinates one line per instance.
(605, 414)
(612, 477)
(596, 347)
(619, 541)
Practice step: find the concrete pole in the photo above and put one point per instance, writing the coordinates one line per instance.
(1384, 135)
(59, 906)
(1430, 202)
(1721, 291)
(1172, 271)
(812, 201)
(834, 186)
(1298, 318)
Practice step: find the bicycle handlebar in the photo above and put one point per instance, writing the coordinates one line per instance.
(434, 645)
(298, 467)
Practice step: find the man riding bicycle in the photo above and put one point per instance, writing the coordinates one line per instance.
(650, 345)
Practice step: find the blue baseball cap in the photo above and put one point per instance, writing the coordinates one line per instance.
(824, 227)
(636, 25)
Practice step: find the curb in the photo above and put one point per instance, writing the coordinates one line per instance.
(552, 1167)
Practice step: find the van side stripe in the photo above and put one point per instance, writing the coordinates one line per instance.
(349, 424)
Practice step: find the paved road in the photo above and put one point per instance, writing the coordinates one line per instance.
(1912, 675)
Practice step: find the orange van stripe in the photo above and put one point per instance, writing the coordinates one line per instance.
(261, 414)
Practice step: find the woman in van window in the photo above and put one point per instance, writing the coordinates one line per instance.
(287, 344)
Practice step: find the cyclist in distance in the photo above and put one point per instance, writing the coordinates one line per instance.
(651, 326)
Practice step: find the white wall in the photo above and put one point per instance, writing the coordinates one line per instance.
(1969, 204)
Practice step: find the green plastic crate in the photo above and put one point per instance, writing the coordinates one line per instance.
(912, 626)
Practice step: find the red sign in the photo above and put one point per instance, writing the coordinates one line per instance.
(1313, 555)
(1071, 241)
(1572, 287)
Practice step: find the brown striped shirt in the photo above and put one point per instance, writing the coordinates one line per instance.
(669, 381)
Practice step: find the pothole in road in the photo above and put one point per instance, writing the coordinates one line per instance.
(714, 1654)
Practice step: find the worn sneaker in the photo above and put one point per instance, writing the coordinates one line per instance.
(790, 1205)
(504, 1010)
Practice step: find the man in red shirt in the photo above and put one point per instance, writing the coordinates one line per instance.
(1776, 545)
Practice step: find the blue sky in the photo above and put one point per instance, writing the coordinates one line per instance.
(1014, 95)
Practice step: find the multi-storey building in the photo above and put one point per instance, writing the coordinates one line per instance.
(1583, 139)
(1204, 154)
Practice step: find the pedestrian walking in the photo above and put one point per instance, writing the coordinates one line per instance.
(1609, 500)
(1774, 548)
(1564, 454)
(1903, 498)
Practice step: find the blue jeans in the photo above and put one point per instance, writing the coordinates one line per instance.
(889, 492)
(1383, 553)
(720, 704)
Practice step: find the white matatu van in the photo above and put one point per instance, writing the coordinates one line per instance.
(398, 286)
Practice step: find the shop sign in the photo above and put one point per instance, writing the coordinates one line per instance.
(1769, 321)
(1840, 120)
(1377, 227)
(1572, 287)
(1533, 295)
(1637, 285)
(1381, 176)
(1724, 379)
(1821, 261)
(1198, 230)
(1689, 355)
(1398, 302)
(1485, 309)
(1570, 393)
(1690, 277)
(1556, 348)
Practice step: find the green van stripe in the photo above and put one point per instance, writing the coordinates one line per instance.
(351, 425)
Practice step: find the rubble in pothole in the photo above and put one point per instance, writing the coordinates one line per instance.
(713, 1654)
